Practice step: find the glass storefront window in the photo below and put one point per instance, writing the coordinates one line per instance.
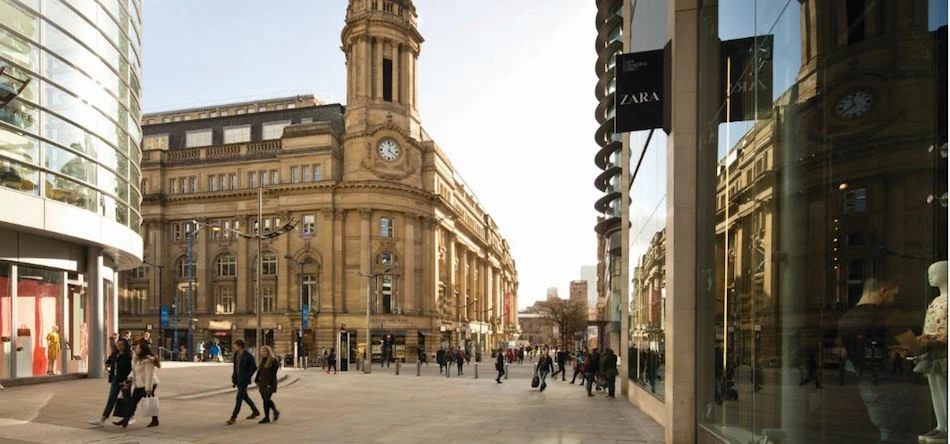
(647, 311)
(67, 134)
(815, 227)
(7, 347)
(21, 115)
(39, 347)
(17, 176)
(19, 147)
(19, 19)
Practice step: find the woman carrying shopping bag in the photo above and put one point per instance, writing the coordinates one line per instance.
(266, 381)
(144, 379)
(119, 365)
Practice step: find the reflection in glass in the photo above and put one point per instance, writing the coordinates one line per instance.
(70, 164)
(17, 176)
(65, 190)
(19, 147)
(7, 343)
(816, 228)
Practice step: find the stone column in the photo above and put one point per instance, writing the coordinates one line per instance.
(471, 288)
(97, 323)
(203, 269)
(397, 64)
(406, 81)
(367, 67)
(325, 277)
(463, 284)
(430, 267)
(450, 287)
(245, 276)
(338, 255)
(409, 296)
(378, 46)
(485, 293)
(365, 243)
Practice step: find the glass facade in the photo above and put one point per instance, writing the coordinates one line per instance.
(69, 78)
(821, 205)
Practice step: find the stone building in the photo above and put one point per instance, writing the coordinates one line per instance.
(372, 195)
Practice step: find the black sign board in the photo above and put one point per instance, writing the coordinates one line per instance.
(639, 97)
(745, 74)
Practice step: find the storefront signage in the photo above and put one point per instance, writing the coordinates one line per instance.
(639, 98)
(745, 78)
(163, 316)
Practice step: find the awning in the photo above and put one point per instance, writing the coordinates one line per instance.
(426, 333)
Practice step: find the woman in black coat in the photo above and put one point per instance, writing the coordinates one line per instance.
(500, 365)
(266, 381)
(119, 365)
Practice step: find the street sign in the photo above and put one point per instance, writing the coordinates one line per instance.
(163, 317)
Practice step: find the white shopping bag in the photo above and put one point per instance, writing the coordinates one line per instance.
(148, 406)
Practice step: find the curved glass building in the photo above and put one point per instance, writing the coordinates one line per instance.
(69, 178)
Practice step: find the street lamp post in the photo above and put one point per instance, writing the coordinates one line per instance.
(161, 295)
(303, 312)
(370, 279)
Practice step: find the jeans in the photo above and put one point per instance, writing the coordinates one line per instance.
(460, 366)
(888, 406)
(243, 397)
(110, 403)
(543, 377)
(577, 371)
(590, 382)
(611, 382)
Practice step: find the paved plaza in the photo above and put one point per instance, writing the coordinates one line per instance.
(349, 407)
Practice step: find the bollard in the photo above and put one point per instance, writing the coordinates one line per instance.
(476, 370)
(418, 368)
(397, 366)
(506, 371)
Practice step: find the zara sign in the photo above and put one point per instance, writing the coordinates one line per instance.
(639, 100)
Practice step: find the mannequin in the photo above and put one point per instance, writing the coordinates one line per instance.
(52, 350)
(933, 363)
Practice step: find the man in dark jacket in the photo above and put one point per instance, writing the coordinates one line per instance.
(440, 359)
(608, 366)
(561, 364)
(591, 369)
(500, 365)
(459, 360)
(244, 368)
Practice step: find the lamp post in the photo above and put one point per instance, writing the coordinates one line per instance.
(458, 311)
(260, 236)
(304, 309)
(161, 295)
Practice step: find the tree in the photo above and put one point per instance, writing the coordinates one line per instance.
(567, 316)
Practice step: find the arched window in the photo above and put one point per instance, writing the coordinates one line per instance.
(226, 265)
(386, 258)
(181, 267)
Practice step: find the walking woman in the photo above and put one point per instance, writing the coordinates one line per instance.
(119, 365)
(144, 380)
(266, 381)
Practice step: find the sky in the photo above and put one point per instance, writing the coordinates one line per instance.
(506, 89)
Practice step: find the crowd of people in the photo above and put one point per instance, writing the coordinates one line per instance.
(598, 371)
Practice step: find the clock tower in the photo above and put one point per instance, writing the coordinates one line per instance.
(381, 43)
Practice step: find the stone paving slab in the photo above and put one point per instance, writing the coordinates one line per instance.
(350, 407)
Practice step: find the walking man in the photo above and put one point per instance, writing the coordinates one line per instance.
(440, 359)
(244, 368)
(608, 367)
(561, 364)
(500, 366)
(460, 360)
(591, 368)
(331, 360)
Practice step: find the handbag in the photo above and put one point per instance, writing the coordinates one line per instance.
(123, 406)
(535, 381)
(148, 406)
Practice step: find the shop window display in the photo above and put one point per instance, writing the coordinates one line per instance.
(38, 345)
(7, 341)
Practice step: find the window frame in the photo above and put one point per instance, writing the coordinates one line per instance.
(191, 135)
(266, 126)
(230, 130)
(226, 268)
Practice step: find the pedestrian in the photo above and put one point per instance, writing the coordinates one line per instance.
(266, 381)
(143, 379)
(244, 368)
(545, 366)
(521, 355)
(459, 360)
(578, 367)
(331, 360)
(440, 359)
(386, 355)
(561, 364)
(147, 337)
(119, 365)
(500, 366)
(199, 356)
(214, 351)
(591, 368)
(608, 367)
(326, 355)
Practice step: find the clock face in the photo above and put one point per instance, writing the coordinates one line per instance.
(854, 104)
(388, 149)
